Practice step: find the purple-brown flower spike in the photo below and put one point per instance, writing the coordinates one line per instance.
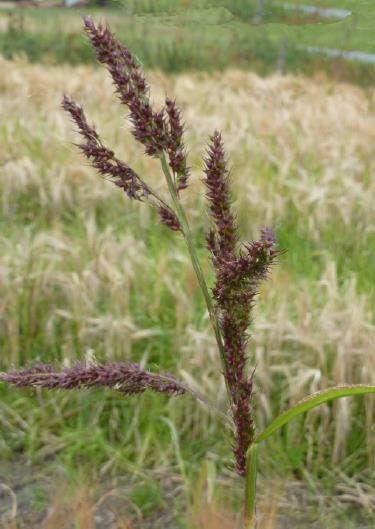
(157, 131)
(102, 158)
(238, 272)
(217, 182)
(176, 147)
(236, 286)
(149, 127)
(107, 164)
(128, 378)
(168, 218)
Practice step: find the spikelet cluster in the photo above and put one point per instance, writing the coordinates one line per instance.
(128, 378)
(238, 267)
(157, 131)
(238, 272)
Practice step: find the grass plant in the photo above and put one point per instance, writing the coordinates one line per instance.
(237, 274)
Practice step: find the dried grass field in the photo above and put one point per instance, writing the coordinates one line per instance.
(84, 272)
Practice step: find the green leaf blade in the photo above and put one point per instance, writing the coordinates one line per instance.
(312, 401)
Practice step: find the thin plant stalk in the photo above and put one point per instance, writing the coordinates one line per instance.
(250, 487)
(193, 255)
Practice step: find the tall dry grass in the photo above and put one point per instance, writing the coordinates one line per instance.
(317, 136)
(76, 277)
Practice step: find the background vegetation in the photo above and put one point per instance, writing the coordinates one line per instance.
(83, 272)
(175, 35)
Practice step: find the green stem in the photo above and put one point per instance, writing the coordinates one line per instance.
(193, 255)
(250, 487)
(251, 462)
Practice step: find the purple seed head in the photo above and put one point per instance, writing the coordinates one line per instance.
(218, 194)
(102, 158)
(149, 127)
(238, 273)
(128, 378)
(176, 147)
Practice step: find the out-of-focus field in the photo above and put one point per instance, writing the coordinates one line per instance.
(205, 35)
(84, 272)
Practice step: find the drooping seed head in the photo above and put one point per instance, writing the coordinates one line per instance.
(128, 378)
(102, 158)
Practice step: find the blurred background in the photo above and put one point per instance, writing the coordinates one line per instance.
(85, 273)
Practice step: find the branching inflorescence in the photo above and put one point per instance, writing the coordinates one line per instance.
(238, 273)
(239, 267)
(157, 131)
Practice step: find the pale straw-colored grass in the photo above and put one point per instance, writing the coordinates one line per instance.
(316, 138)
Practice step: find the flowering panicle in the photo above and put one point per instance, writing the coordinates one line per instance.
(175, 145)
(107, 164)
(131, 87)
(224, 236)
(102, 158)
(238, 273)
(128, 378)
(238, 268)
(156, 133)
(168, 218)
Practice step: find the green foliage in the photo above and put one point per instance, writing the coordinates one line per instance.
(148, 498)
(200, 35)
(308, 403)
(312, 401)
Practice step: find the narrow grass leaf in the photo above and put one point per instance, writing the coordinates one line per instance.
(176, 445)
(312, 401)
